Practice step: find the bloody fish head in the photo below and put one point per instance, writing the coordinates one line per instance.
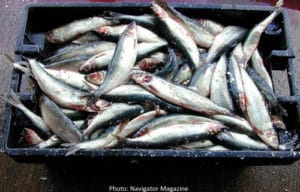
(131, 29)
(159, 11)
(141, 77)
(270, 138)
(95, 78)
(103, 30)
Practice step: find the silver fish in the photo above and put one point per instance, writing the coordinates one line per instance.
(201, 79)
(136, 94)
(61, 93)
(219, 92)
(240, 141)
(136, 123)
(178, 35)
(72, 78)
(100, 142)
(201, 37)
(201, 144)
(257, 112)
(171, 134)
(236, 123)
(254, 36)
(51, 142)
(183, 75)
(258, 66)
(113, 113)
(122, 61)
(211, 26)
(225, 40)
(175, 94)
(86, 38)
(88, 49)
(172, 119)
(144, 20)
(143, 34)
(76, 28)
(38, 122)
(31, 137)
(70, 64)
(236, 84)
(58, 122)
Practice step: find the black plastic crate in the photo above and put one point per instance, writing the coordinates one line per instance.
(39, 18)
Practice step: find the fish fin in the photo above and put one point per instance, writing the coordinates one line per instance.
(279, 3)
(13, 99)
(68, 144)
(110, 15)
(72, 150)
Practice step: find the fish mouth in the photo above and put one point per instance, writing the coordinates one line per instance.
(270, 137)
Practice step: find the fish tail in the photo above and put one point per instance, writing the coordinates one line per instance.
(73, 148)
(13, 99)
(112, 15)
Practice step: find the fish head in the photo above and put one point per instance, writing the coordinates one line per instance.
(270, 137)
(103, 30)
(159, 11)
(95, 78)
(131, 29)
(141, 77)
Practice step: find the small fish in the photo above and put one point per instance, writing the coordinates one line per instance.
(86, 38)
(257, 112)
(240, 141)
(211, 26)
(88, 49)
(115, 112)
(201, 79)
(136, 123)
(219, 92)
(143, 34)
(175, 94)
(61, 93)
(258, 66)
(144, 20)
(70, 64)
(37, 121)
(136, 94)
(236, 85)
(201, 144)
(51, 142)
(183, 75)
(31, 137)
(58, 122)
(101, 142)
(267, 91)
(74, 29)
(201, 37)
(172, 134)
(73, 114)
(177, 34)
(228, 38)
(254, 35)
(236, 123)
(171, 119)
(169, 70)
(74, 79)
(123, 60)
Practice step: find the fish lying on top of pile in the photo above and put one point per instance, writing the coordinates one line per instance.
(159, 80)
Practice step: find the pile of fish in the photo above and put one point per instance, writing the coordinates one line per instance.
(159, 80)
